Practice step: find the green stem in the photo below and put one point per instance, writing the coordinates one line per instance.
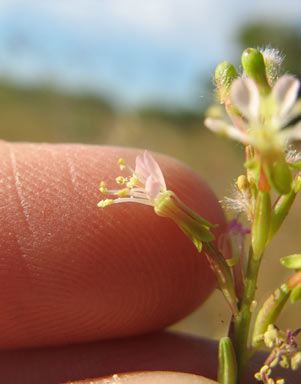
(241, 322)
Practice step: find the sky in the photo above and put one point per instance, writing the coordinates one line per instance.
(132, 50)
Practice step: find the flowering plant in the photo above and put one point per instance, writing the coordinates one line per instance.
(261, 110)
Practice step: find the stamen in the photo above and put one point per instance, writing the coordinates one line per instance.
(123, 192)
(103, 188)
(105, 203)
(122, 164)
(120, 180)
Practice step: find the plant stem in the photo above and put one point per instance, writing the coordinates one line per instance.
(223, 275)
(241, 322)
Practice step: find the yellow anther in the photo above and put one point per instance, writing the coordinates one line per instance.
(242, 183)
(258, 376)
(133, 181)
(123, 192)
(122, 164)
(265, 370)
(271, 336)
(104, 203)
(280, 381)
(120, 180)
(103, 187)
(284, 362)
(296, 361)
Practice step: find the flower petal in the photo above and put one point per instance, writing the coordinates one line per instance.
(286, 92)
(153, 169)
(152, 188)
(222, 128)
(245, 97)
(141, 170)
(291, 134)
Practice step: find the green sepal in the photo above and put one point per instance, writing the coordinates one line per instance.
(227, 366)
(279, 176)
(296, 294)
(193, 225)
(261, 223)
(269, 312)
(291, 261)
(296, 166)
(254, 67)
(251, 164)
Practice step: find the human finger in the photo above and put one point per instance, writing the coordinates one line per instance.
(71, 272)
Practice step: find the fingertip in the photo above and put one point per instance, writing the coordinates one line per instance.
(72, 272)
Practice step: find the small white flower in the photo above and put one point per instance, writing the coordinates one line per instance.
(262, 117)
(144, 186)
(147, 186)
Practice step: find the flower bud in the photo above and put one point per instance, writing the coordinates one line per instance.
(279, 176)
(292, 261)
(254, 67)
(225, 73)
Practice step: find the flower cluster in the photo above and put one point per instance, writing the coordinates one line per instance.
(262, 108)
(284, 352)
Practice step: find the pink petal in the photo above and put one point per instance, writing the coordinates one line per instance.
(245, 97)
(154, 169)
(152, 188)
(286, 92)
(141, 169)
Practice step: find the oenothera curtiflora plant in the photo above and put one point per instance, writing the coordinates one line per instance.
(261, 110)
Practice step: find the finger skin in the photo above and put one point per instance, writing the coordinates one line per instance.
(151, 378)
(164, 351)
(72, 272)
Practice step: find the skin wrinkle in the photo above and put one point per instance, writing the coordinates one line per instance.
(20, 197)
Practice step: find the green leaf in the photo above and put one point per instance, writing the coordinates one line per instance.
(296, 294)
(292, 261)
(279, 212)
(227, 367)
(269, 312)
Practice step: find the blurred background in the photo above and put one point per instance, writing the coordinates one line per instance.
(139, 74)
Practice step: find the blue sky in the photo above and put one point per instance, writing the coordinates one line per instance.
(133, 50)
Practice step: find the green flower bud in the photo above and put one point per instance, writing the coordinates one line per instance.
(279, 176)
(227, 367)
(292, 261)
(254, 67)
(225, 73)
